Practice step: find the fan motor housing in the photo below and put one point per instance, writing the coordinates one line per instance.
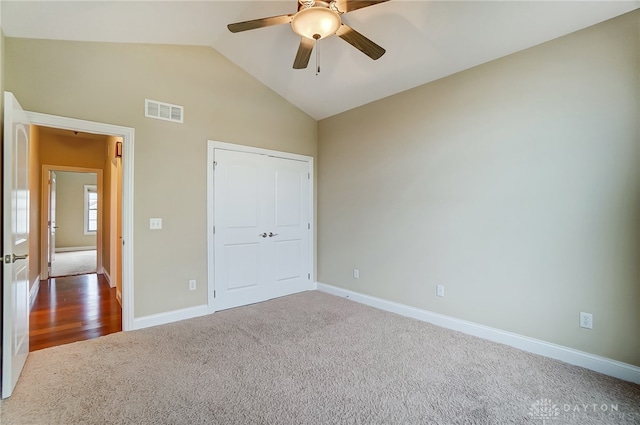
(307, 4)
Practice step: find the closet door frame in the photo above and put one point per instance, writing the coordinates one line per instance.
(211, 147)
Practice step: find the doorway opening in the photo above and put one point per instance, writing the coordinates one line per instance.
(79, 290)
(71, 227)
(113, 217)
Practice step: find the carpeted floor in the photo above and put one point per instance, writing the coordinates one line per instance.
(74, 263)
(309, 358)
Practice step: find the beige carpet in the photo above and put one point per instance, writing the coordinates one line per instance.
(74, 263)
(310, 358)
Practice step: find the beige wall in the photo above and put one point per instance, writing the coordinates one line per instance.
(106, 212)
(108, 82)
(57, 148)
(515, 184)
(70, 209)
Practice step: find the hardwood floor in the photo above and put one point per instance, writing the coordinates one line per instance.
(73, 308)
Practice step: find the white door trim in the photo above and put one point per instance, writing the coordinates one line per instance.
(44, 220)
(211, 146)
(127, 134)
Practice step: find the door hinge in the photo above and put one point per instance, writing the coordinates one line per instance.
(308, 176)
(309, 276)
(49, 264)
(309, 226)
(215, 164)
(214, 294)
(214, 230)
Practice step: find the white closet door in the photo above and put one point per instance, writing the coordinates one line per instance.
(241, 267)
(290, 208)
(261, 208)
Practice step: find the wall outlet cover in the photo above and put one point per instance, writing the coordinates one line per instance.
(586, 320)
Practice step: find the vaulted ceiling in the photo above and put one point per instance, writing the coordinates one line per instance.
(424, 40)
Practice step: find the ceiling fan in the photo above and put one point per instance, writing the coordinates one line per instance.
(316, 20)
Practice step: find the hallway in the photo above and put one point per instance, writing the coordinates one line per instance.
(73, 308)
(74, 263)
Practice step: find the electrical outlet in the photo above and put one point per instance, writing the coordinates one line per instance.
(586, 320)
(356, 274)
(192, 285)
(155, 223)
(440, 290)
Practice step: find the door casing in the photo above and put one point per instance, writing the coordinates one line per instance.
(127, 134)
(45, 205)
(211, 147)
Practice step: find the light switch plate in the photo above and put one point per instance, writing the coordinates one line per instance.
(155, 223)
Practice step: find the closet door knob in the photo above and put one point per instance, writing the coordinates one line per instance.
(264, 235)
(271, 234)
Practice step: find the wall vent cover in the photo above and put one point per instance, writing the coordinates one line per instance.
(163, 111)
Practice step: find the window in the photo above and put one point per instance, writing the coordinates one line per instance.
(90, 209)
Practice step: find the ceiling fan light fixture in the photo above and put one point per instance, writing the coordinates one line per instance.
(316, 22)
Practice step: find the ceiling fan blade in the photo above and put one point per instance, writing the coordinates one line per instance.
(260, 23)
(345, 6)
(360, 42)
(304, 53)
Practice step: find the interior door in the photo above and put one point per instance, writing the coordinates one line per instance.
(261, 209)
(241, 229)
(289, 204)
(51, 243)
(15, 324)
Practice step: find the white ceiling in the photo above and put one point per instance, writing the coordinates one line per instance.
(425, 40)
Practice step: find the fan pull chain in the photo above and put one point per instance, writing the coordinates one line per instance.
(317, 47)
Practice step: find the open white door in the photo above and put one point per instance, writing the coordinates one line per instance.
(51, 222)
(15, 323)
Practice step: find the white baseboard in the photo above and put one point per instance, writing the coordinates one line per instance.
(169, 317)
(75, 248)
(600, 364)
(33, 293)
(106, 276)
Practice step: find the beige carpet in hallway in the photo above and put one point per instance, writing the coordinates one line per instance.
(309, 358)
(74, 263)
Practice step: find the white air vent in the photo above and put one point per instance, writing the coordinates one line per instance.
(163, 111)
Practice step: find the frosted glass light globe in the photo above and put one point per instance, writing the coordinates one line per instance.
(316, 21)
